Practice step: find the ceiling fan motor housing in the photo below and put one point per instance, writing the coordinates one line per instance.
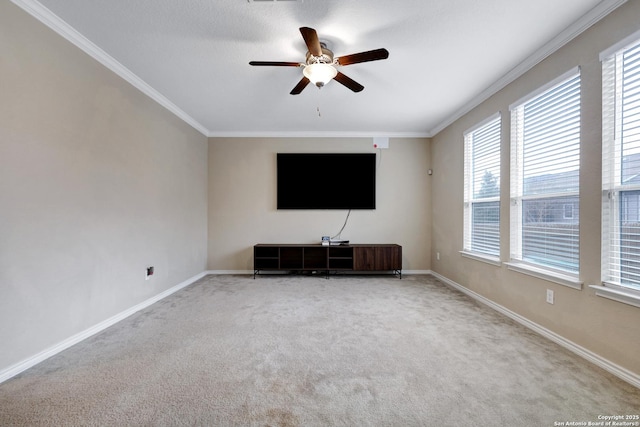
(325, 58)
(324, 61)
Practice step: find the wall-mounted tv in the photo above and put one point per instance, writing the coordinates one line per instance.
(326, 181)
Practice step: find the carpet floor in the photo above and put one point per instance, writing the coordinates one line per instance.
(307, 351)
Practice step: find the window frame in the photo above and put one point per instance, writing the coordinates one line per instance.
(613, 186)
(470, 200)
(518, 197)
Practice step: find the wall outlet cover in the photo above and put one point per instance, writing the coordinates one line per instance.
(549, 296)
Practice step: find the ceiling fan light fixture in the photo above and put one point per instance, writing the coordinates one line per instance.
(320, 65)
(319, 73)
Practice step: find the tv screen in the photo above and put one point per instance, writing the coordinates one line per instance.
(326, 181)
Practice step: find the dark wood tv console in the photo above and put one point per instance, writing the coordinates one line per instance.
(327, 259)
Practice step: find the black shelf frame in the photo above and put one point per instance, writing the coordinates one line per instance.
(311, 258)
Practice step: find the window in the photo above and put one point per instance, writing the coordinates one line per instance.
(545, 164)
(621, 165)
(568, 211)
(482, 188)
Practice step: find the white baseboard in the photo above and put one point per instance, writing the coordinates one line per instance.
(620, 372)
(22, 366)
(219, 272)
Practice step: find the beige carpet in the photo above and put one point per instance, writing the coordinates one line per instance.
(306, 351)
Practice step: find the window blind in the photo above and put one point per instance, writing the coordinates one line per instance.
(482, 188)
(621, 167)
(545, 176)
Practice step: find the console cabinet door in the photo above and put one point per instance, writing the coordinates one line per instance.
(378, 258)
(364, 258)
(389, 258)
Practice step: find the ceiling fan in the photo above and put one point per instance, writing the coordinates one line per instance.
(320, 65)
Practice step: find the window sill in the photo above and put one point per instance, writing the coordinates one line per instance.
(618, 294)
(482, 258)
(548, 275)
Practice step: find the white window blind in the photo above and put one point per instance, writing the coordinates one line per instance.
(545, 164)
(482, 188)
(621, 167)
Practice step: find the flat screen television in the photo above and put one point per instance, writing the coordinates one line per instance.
(326, 181)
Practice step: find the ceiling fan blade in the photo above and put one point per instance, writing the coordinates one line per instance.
(371, 55)
(348, 82)
(276, 63)
(311, 39)
(300, 86)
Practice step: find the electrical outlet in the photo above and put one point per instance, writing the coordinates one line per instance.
(549, 296)
(438, 256)
(149, 273)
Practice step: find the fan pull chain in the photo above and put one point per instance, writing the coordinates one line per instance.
(319, 102)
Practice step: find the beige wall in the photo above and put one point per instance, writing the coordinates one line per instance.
(242, 200)
(97, 182)
(608, 328)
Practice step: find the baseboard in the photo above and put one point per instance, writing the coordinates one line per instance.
(220, 272)
(22, 366)
(620, 372)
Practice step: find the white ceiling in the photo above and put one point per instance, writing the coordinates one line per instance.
(193, 57)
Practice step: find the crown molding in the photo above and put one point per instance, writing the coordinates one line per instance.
(48, 18)
(603, 9)
(316, 134)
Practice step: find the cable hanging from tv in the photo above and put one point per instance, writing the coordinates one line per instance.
(336, 238)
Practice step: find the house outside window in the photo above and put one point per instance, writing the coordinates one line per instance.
(621, 165)
(482, 188)
(545, 165)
